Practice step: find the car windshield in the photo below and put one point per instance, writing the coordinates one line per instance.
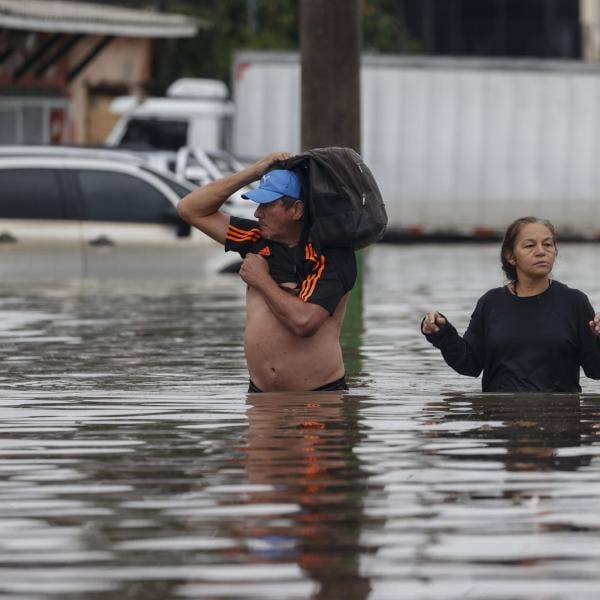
(180, 189)
(154, 133)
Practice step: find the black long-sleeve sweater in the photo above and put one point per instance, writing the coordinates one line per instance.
(525, 344)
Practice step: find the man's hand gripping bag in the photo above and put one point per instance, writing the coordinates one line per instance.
(343, 204)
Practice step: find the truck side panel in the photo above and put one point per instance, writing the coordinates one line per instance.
(267, 108)
(457, 146)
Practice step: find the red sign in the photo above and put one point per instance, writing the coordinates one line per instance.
(57, 125)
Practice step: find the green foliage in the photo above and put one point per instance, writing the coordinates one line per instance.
(384, 28)
(232, 25)
(260, 24)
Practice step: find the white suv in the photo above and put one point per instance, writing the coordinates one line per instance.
(86, 213)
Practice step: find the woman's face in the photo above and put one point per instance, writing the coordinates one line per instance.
(534, 252)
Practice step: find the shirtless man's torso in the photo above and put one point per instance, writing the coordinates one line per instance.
(296, 298)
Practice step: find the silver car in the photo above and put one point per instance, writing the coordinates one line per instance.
(72, 212)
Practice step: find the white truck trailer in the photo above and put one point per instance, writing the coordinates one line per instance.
(458, 146)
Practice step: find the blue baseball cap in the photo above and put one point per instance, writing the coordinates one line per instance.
(274, 185)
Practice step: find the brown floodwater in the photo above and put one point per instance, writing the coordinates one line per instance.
(134, 465)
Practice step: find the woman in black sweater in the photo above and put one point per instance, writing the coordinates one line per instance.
(533, 334)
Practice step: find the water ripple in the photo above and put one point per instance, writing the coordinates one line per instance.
(134, 465)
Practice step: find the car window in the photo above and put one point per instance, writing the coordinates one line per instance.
(30, 194)
(179, 189)
(109, 196)
(160, 134)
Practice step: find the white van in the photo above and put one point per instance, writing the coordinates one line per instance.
(195, 112)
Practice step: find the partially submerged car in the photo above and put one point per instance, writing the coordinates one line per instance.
(196, 166)
(75, 212)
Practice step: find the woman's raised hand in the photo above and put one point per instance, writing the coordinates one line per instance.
(434, 321)
(595, 325)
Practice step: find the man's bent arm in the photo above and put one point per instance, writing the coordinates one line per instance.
(200, 208)
(301, 318)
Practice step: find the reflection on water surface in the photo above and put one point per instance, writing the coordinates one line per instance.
(133, 464)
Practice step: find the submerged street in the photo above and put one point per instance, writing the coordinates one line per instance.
(133, 463)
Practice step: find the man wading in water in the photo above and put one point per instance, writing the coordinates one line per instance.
(296, 298)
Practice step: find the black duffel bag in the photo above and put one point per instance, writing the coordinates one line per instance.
(343, 204)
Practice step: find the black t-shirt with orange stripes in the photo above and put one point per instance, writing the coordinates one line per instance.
(321, 279)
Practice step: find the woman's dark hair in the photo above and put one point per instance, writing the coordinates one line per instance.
(510, 237)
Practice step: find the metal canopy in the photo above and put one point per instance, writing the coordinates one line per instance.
(83, 17)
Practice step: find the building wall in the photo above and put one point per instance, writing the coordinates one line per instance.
(19, 73)
(43, 101)
(590, 25)
(123, 67)
(33, 120)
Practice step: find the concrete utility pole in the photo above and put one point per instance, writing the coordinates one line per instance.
(330, 48)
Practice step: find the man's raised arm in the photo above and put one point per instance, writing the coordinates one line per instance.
(201, 208)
